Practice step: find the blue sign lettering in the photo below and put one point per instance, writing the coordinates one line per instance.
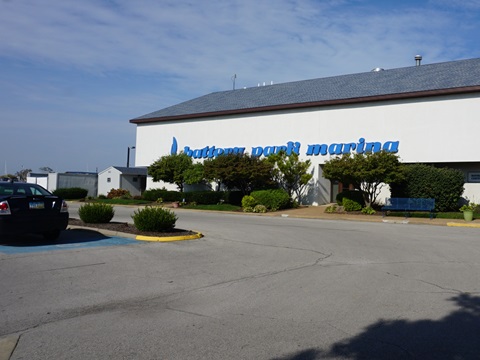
(360, 147)
(347, 148)
(291, 147)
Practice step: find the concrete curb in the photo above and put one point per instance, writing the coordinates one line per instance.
(169, 238)
(197, 235)
(470, 225)
(7, 346)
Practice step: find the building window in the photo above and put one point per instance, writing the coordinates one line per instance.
(109, 179)
(135, 179)
(474, 177)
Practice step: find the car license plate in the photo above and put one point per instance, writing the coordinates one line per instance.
(36, 205)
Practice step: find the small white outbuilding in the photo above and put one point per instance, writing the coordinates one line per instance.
(133, 179)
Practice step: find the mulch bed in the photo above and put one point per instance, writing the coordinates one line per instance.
(130, 229)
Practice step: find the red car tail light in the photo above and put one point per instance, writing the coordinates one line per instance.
(4, 208)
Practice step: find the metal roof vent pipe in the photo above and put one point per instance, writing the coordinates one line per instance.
(418, 60)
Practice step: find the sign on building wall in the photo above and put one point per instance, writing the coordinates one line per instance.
(320, 149)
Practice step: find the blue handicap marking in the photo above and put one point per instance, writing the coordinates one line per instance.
(68, 240)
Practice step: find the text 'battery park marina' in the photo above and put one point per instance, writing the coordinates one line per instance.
(359, 147)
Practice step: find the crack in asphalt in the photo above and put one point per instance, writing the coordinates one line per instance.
(277, 246)
(444, 288)
(74, 267)
(140, 303)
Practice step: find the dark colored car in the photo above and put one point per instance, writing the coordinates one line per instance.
(29, 208)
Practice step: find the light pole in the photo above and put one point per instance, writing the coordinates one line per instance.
(128, 155)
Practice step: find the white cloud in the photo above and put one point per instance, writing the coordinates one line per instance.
(215, 39)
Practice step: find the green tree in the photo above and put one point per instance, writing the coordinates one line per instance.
(239, 171)
(367, 172)
(290, 173)
(171, 169)
(195, 175)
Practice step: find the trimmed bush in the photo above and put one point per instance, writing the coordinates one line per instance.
(71, 193)
(354, 195)
(165, 195)
(260, 209)
(119, 194)
(153, 218)
(233, 197)
(94, 213)
(248, 202)
(204, 197)
(273, 200)
(200, 197)
(445, 185)
(351, 205)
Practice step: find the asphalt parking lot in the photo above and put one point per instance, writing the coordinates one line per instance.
(253, 288)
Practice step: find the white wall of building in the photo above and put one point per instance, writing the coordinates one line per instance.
(108, 179)
(429, 130)
(52, 181)
(39, 180)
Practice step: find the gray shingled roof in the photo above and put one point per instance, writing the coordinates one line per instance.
(132, 170)
(423, 78)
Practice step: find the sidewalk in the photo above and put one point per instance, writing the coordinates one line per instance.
(318, 212)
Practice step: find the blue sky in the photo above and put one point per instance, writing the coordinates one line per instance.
(73, 73)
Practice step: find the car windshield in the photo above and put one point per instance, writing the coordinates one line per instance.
(22, 189)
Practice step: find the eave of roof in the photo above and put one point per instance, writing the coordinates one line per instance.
(131, 170)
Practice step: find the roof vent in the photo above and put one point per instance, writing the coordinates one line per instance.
(418, 60)
(377, 69)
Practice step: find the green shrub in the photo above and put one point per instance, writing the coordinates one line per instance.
(119, 194)
(273, 200)
(71, 193)
(95, 213)
(368, 210)
(260, 209)
(154, 219)
(351, 205)
(204, 197)
(233, 197)
(249, 202)
(445, 185)
(247, 209)
(200, 197)
(166, 195)
(354, 195)
(331, 209)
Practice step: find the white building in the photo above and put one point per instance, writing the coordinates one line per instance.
(69, 179)
(117, 177)
(426, 114)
